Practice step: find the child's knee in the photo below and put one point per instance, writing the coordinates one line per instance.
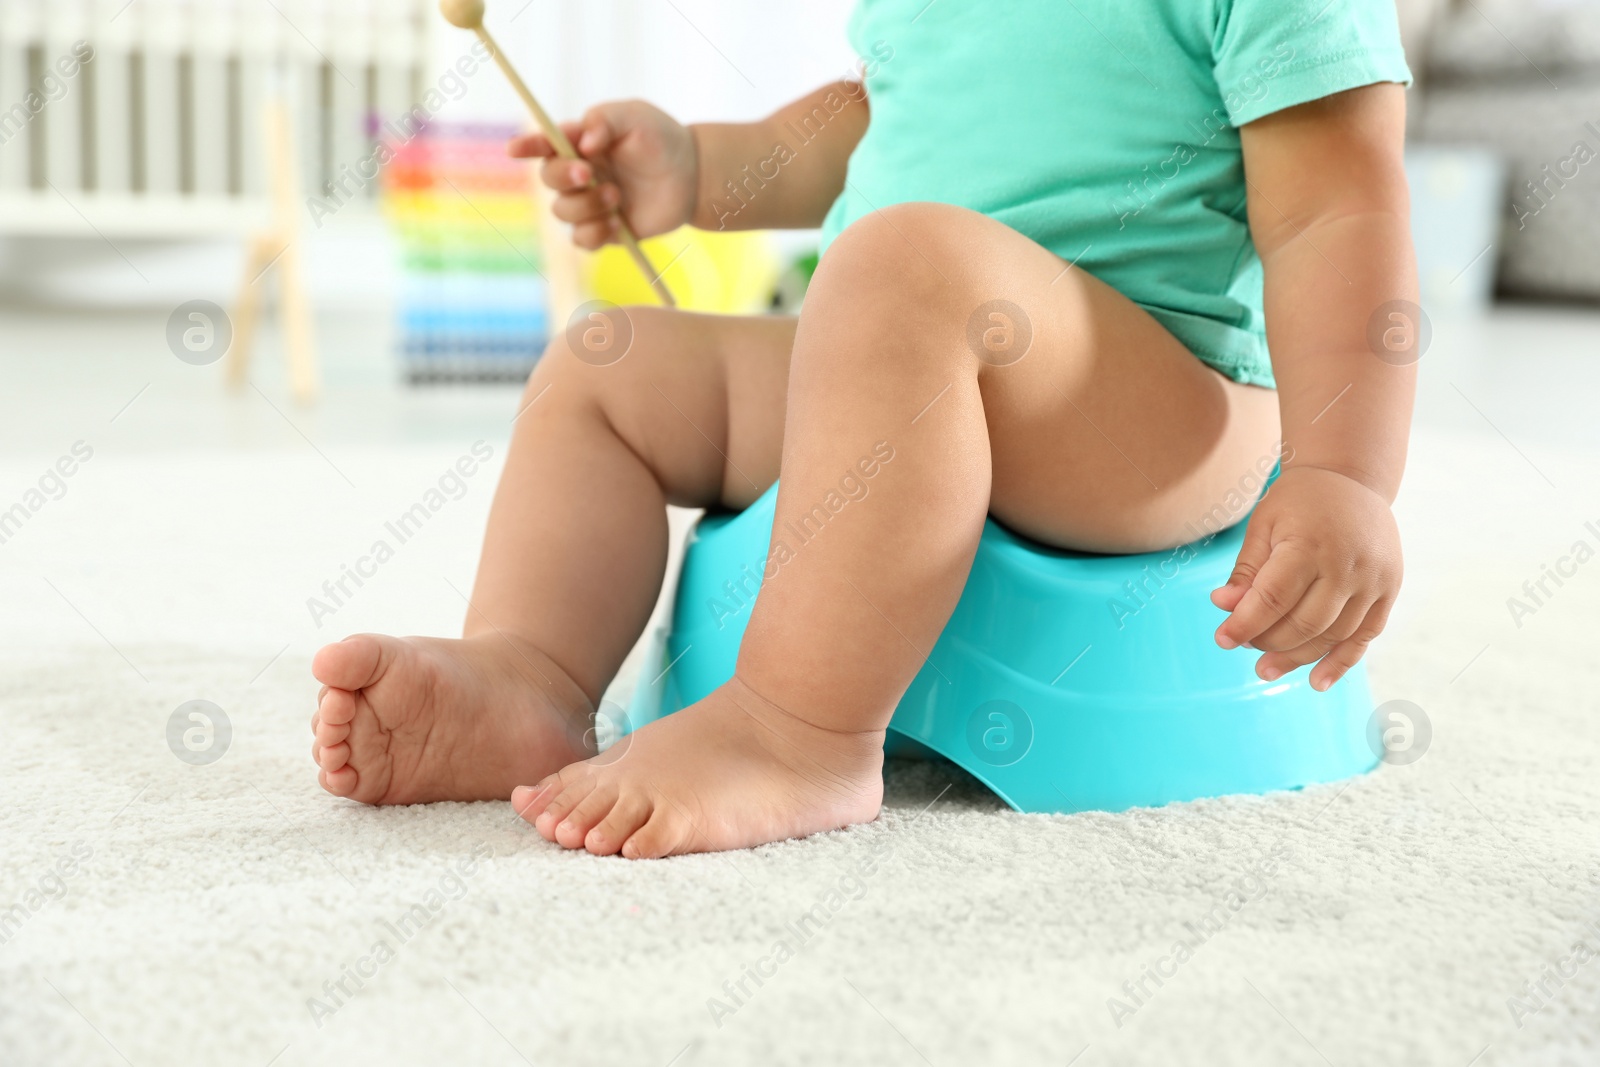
(606, 348)
(903, 253)
(627, 367)
(911, 274)
(600, 335)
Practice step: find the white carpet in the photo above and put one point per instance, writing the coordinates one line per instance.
(1403, 913)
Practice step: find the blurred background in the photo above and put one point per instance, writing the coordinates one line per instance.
(138, 179)
(140, 167)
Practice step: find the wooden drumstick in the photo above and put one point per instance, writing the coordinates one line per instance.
(468, 15)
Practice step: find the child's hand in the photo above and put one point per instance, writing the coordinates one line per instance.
(635, 156)
(1316, 577)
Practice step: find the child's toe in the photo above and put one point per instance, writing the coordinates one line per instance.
(529, 801)
(658, 837)
(334, 756)
(572, 830)
(348, 664)
(629, 813)
(329, 734)
(337, 707)
(341, 783)
(570, 796)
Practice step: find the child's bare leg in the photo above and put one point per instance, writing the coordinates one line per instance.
(572, 563)
(1106, 435)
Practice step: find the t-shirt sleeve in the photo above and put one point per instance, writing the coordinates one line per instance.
(1273, 54)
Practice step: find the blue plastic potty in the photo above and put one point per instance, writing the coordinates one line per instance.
(1064, 681)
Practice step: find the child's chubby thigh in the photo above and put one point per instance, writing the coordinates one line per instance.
(1105, 432)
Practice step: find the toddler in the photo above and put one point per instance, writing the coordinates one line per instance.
(1084, 265)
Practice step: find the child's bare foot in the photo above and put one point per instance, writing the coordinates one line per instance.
(409, 720)
(729, 772)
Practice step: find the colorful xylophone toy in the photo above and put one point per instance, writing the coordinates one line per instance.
(473, 303)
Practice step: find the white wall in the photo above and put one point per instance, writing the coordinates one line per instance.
(698, 59)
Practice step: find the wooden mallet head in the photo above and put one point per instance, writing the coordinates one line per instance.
(466, 14)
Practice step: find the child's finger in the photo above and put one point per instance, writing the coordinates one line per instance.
(593, 135)
(1275, 665)
(592, 235)
(589, 205)
(1338, 662)
(535, 145)
(567, 175)
(573, 128)
(1317, 610)
(1253, 554)
(1348, 653)
(530, 146)
(1273, 593)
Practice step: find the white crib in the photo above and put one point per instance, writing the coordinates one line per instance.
(160, 133)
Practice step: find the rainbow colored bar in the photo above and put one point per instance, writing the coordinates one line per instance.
(473, 303)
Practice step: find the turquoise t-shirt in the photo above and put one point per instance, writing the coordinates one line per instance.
(1107, 131)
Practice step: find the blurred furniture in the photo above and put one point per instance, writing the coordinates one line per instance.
(161, 133)
(1457, 199)
(279, 247)
(1523, 79)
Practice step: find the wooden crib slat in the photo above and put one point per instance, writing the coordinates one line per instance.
(14, 124)
(209, 146)
(254, 71)
(213, 46)
(65, 117)
(352, 54)
(160, 127)
(111, 120)
(162, 130)
(21, 32)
